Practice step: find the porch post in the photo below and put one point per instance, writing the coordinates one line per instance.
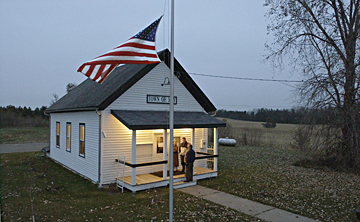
(165, 155)
(133, 157)
(215, 148)
(193, 143)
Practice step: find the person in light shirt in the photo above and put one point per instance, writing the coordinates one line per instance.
(183, 148)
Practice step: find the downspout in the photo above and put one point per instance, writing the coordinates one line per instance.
(99, 163)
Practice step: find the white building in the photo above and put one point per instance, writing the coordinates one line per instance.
(119, 129)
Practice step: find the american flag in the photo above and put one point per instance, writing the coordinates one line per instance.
(139, 49)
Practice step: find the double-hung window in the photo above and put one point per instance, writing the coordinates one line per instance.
(58, 134)
(68, 137)
(82, 139)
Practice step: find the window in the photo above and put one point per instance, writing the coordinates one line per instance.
(160, 144)
(58, 134)
(82, 140)
(68, 137)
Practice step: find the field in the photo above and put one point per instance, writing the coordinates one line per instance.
(24, 135)
(263, 173)
(254, 134)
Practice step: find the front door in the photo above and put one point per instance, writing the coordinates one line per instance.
(158, 150)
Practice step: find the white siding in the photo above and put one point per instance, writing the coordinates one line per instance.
(88, 165)
(135, 97)
(199, 135)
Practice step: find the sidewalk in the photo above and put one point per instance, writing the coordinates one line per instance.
(261, 211)
(22, 147)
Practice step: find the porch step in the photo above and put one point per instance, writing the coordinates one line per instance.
(183, 184)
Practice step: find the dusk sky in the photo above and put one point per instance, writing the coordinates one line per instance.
(44, 42)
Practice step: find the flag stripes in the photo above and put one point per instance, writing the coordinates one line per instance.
(139, 49)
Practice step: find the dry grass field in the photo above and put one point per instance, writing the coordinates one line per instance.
(254, 134)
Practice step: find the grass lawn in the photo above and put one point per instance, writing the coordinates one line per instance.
(38, 186)
(33, 185)
(267, 175)
(24, 135)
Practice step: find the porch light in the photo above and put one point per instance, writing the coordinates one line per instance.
(166, 81)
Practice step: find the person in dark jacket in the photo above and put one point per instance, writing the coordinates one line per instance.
(189, 161)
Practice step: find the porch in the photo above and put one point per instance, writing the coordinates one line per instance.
(150, 147)
(150, 180)
(161, 178)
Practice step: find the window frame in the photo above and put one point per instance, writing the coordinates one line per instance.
(81, 141)
(68, 136)
(57, 135)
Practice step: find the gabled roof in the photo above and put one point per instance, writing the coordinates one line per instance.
(90, 95)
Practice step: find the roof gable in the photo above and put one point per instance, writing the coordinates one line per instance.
(90, 95)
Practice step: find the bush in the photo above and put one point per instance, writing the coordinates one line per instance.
(270, 123)
(301, 138)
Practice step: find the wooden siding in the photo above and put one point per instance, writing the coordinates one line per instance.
(200, 135)
(88, 165)
(135, 97)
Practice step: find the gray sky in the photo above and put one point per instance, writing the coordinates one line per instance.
(42, 43)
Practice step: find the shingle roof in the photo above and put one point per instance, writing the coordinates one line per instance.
(141, 120)
(90, 95)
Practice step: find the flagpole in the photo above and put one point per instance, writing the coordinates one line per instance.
(171, 156)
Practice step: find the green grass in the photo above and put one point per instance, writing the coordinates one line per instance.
(10, 135)
(33, 185)
(268, 175)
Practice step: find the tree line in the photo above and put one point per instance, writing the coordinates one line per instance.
(299, 115)
(11, 116)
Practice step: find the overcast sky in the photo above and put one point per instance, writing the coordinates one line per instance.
(42, 43)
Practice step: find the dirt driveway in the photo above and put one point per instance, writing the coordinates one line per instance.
(22, 147)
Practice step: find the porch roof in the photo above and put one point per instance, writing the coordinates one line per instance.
(141, 120)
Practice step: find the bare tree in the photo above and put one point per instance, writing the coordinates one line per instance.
(70, 86)
(56, 98)
(321, 37)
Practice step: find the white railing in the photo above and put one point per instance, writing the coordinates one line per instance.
(210, 161)
(121, 173)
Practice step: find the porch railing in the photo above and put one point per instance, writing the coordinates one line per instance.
(120, 180)
(141, 164)
(204, 156)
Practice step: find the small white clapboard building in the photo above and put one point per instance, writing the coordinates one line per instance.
(118, 131)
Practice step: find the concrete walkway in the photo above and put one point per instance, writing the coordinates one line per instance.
(261, 211)
(22, 147)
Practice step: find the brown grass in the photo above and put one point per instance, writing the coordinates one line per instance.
(254, 134)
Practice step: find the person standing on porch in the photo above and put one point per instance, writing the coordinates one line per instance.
(189, 161)
(183, 148)
(175, 155)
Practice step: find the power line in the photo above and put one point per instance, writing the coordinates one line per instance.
(251, 79)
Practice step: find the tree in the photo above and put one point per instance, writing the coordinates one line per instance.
(56, 98)
(321, 38)
(70, 86)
